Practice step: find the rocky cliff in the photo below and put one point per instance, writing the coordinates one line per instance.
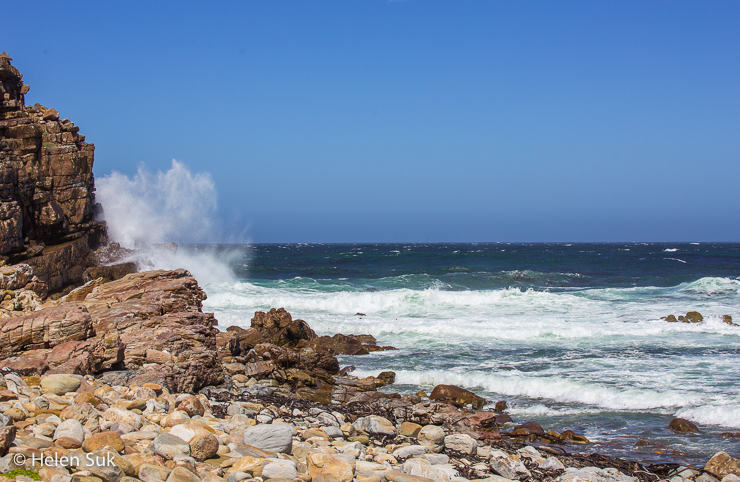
(47, 189)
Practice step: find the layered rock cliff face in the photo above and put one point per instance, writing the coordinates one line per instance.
(47, 200)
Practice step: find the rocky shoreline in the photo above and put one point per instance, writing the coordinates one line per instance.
(113, 375)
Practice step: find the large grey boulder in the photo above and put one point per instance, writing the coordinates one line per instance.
(271, 437)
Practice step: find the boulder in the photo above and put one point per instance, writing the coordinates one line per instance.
(321, 464)
(682, 425)
(431, 436)
(70, 428)
(153, 473)
(280, 469)
(276, 438)
(461, 443)
(457, 396)
(410, 429)
(376, 425)
(103, 440)
(722, 464)
(170, 446)
(181, 474)
(203, 444)
(60, 384)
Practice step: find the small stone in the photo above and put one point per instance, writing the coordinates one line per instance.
(153, 473)
(461, 443)
(552, 463)
(169, 446)
(283, 469)
(70, 428)
(431, 435)
(181, 474)
(110, 440)
(375, 424)
(410, 429)
(320, 463)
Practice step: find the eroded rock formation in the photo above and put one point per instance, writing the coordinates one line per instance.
(47, 200)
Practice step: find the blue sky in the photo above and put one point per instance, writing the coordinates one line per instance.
(410, 120)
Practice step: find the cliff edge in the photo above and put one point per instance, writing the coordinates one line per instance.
(47, 189)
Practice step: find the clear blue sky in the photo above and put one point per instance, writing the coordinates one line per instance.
(410, 120)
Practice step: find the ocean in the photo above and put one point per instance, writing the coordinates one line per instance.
(569, 335)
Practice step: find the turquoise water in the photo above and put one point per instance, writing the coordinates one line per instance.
(568, 334)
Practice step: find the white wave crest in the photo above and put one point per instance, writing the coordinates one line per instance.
(723, 415)
(552, 388)
(712, 285)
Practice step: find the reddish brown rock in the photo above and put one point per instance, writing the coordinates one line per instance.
(158, 316)
(47, 202)
(111, 440)
(457, 396)
(7, 435)
(46, 328)
(528, 428)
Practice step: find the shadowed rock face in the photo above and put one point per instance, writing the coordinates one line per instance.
(47, 200)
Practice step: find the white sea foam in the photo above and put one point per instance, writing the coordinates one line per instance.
(172, 206)
(506, 314)
(552, 388)
(160, 207)
(723, 414)
(670, 250)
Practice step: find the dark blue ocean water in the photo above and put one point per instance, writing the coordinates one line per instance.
(569, 334)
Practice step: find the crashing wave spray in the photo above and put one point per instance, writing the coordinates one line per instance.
(151, 208)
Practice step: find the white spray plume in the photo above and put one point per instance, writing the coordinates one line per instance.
(147, 208)
(172, 206)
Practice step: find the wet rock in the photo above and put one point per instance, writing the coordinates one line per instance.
(457, 396)
(691, 317)
(571, 436)
(682, 425)
(528, 428)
